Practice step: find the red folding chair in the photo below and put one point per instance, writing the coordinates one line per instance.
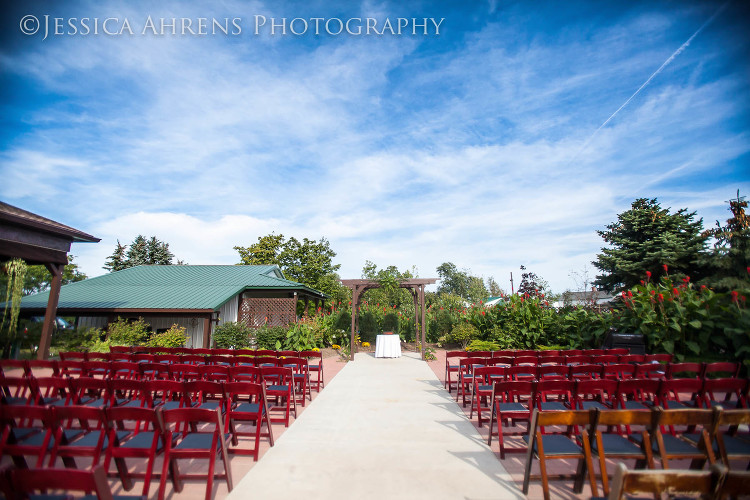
(167, 394)
(247, 402)
(466, 376)
(729, 393)
(144, 439)
(650, 370)
(638, 394)
(26, 431)
(684, 370)
(585, 372)
(452, 367)
(301, 376)
(721, 369)
(15, 367)
(215, 373)
(484, 382)
(40, 367)
(17, 390)
(80, 431)
(206, 394)
(28, 483)
(555, 395)
(553, 372)
(245, 373)
(202, 437)
(618, 371)
(513, 401)
(596, 393)
(53, 390)
(315, 366)
(279, 382)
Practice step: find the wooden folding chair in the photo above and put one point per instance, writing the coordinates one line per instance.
(596, 393)
(618, 371)
(247, 402)
(301, 376)
(31, 482)
(555, 395)
(681, 483)
(466, 377)
(17, 390)
(550, 446)
(202, 437)
(733, 443)
(697, 447)
(53, 390)
(613, 443)
(638, 394)
(721, 369)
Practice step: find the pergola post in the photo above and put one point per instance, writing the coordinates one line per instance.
(50, 314)
(207, 332)
(421, 304)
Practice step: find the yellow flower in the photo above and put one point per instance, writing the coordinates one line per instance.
(365, 344)
(336, 346)
(316, 349)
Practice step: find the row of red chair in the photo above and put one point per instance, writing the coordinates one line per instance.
(517, 399)
(199, 351)
(520, 369)
(144, 365)
(284, 381)
(618, 435)
(114, 434)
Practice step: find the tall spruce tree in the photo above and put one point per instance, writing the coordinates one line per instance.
(647, 238)
(140, 252)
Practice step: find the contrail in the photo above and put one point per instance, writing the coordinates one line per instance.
(664, 65)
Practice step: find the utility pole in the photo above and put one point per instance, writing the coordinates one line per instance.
(512, 292)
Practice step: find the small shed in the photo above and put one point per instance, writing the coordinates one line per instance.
(196, 297)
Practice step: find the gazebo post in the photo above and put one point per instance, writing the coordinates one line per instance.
(50, 314)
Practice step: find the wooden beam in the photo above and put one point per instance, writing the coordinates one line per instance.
(50, 314)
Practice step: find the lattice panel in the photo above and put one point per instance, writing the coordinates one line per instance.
(257, 312)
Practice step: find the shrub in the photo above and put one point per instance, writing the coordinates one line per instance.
(266, 337)
(80, 339)
(482, 345)
(174, 337)
(233, 335)
(463, 333)
(390, 322)
(128, 332)
(300, 337)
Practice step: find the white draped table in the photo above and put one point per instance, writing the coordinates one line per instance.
(388, 346)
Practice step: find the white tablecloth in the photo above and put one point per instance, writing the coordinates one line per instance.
(388, 346)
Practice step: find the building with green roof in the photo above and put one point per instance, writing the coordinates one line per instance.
(196, 297)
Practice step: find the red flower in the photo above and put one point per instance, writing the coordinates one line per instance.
(703, 287)
(630, 294)
(661, 298)
(653, 292)
(666, 268)
(734, 295)
(686, 279)
(482, 313)
(675, 291)
(648, 273)
(643, 282)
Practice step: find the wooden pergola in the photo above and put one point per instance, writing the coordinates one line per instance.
(38, 240)
(415, 286)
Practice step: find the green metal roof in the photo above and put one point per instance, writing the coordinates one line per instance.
(167, 287)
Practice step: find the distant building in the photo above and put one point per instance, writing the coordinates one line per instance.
(591, 298)
(196, 297)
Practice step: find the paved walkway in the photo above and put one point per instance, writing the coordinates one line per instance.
(382, 429)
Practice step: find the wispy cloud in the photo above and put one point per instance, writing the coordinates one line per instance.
(401, 150)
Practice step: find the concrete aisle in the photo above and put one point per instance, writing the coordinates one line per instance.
(382, 429)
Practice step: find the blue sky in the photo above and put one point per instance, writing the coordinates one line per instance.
(482, 145)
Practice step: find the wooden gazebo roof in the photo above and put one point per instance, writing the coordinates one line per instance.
(38, 240)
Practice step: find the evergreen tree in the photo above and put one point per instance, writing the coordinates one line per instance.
(117, 260)
(158, 252)
(140, 252)
(648, 237)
